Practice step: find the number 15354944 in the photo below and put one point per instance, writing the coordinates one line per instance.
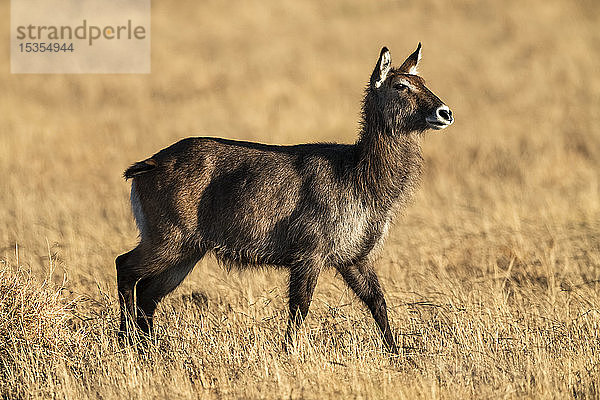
(43, 47)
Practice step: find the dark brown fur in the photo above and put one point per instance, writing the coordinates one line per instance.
(306, 207)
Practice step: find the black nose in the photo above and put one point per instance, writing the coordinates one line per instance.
(444, 113)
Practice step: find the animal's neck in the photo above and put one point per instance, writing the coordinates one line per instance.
(389, 163)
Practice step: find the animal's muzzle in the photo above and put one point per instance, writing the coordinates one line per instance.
(441, 119)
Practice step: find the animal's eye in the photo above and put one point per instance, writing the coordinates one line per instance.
(400, 86)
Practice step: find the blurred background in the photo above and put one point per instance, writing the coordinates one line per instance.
(510, 190)
(521, 78)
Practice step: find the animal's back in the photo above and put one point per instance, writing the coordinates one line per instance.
(251, 203)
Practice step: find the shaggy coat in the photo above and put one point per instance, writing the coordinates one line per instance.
(305, 207)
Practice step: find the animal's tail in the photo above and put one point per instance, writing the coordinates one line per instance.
(140, 167)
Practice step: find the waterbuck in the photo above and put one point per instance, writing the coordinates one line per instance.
(305, 207)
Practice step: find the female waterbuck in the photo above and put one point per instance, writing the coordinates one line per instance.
(306, 207)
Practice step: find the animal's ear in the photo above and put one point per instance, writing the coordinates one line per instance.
(412, 62)
(384, 64)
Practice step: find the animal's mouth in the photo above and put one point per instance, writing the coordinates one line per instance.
(441, 118)
(437, 124)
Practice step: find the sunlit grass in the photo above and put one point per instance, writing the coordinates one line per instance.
(491, 276)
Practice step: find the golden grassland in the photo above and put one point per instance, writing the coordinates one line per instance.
(491, 276)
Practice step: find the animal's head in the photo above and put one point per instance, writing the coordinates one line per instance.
(400, 96)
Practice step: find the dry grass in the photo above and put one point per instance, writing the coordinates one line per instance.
(492, 274)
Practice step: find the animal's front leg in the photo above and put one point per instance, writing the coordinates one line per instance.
(363, 281)
(303, 279)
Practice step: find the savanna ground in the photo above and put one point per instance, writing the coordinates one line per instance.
(492, 276)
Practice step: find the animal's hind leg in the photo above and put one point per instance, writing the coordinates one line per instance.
(127, 265)
(144, 276)
(150, 290)
(303, 280)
